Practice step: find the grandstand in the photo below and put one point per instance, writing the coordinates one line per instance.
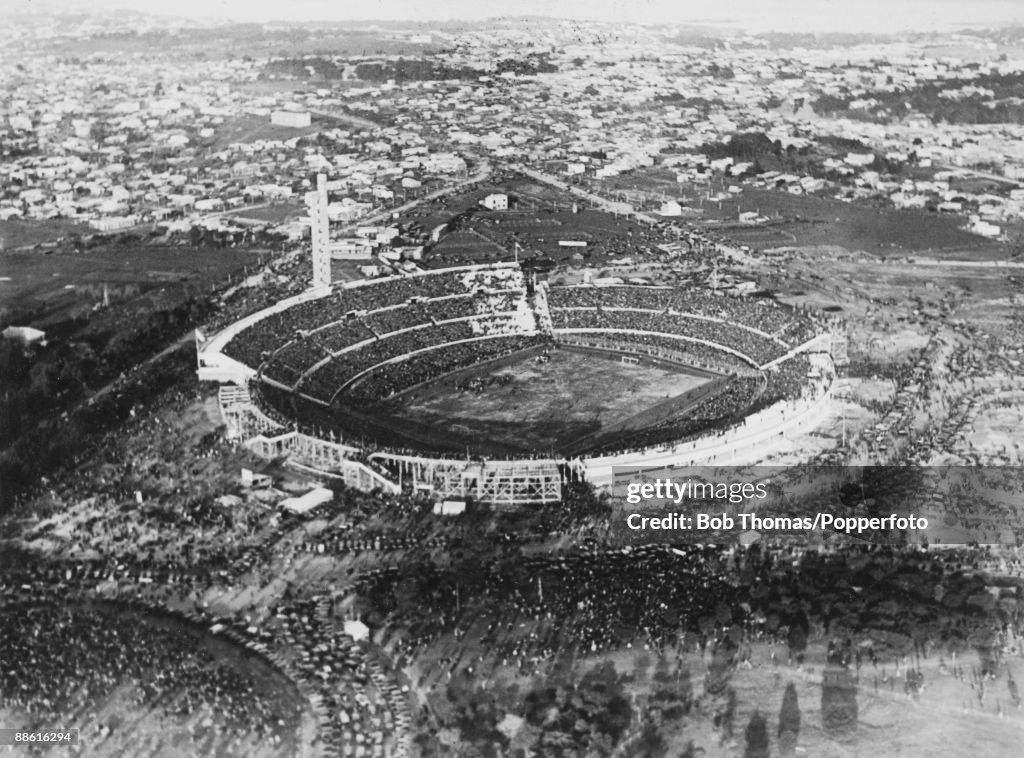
(327, 365)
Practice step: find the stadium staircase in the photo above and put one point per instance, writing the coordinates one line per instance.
(539, 303)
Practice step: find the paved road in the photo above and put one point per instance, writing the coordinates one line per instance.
(362, 123)
(479, 175)
(611, 206)
(980, 174)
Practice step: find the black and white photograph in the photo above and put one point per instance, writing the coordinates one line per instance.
(537, 379)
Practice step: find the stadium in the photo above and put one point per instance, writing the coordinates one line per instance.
(483, 383)
(488, 383)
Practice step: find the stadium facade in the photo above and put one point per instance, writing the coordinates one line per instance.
(300, 376)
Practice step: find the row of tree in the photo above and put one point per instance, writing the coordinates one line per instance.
(987, 98)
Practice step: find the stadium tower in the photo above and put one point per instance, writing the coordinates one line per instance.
(316, 201)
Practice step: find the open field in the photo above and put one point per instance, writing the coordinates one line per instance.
(539, 406)
(812, 220)
(468, 246)
(252, 128)
(806, 220)
(15, 233)
(274, 213)
(442, 210)
(47, 289)
(539, 216)
(539, 231)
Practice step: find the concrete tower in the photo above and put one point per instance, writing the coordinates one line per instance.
(316, 201)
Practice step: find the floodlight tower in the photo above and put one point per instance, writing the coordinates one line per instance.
(316, 201)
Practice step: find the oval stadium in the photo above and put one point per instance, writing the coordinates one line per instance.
(483, 382)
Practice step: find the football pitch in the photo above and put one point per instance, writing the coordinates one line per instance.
(534, 406)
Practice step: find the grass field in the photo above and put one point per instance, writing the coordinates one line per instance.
(15, 233)
(539, 231)
(251, 128)
(810, 220)
(274, 213)
(44, 289)
(807, 220)
(538, 218)
(540, 406)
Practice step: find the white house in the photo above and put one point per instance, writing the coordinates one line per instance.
(497, 201)
(309, 501)
(26, 335)
(352, 249)
(860, 159)
(670, 208)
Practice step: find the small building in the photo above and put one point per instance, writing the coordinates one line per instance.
(671, 208)
(352, 249)
(860, 159)
(20, 123)
(26, 335)
(254, 480)
(309, 501)
(114, 223)
(497, 201)
(984, 228)
(357, 630)
(410, 252)
(450, 507)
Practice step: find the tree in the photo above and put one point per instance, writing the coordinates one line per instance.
(757, 737)
(789, 721)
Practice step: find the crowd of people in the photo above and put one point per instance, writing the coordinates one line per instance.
(65, 659)
(789, 326)
(360, 708)
(318, 360)
(287, 344)
(715, 414)
(252, 345)
(353, 696)
(661, 333)
(757, 349)
(292, 410)
(572, 603)
(788, 381)
(436, 363)
(288, 363)
(325, 381)
(665, 347)
(607, 236)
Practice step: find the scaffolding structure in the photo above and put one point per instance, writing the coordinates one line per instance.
(523, 482)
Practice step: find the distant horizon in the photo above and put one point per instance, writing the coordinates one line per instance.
(792, 16)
